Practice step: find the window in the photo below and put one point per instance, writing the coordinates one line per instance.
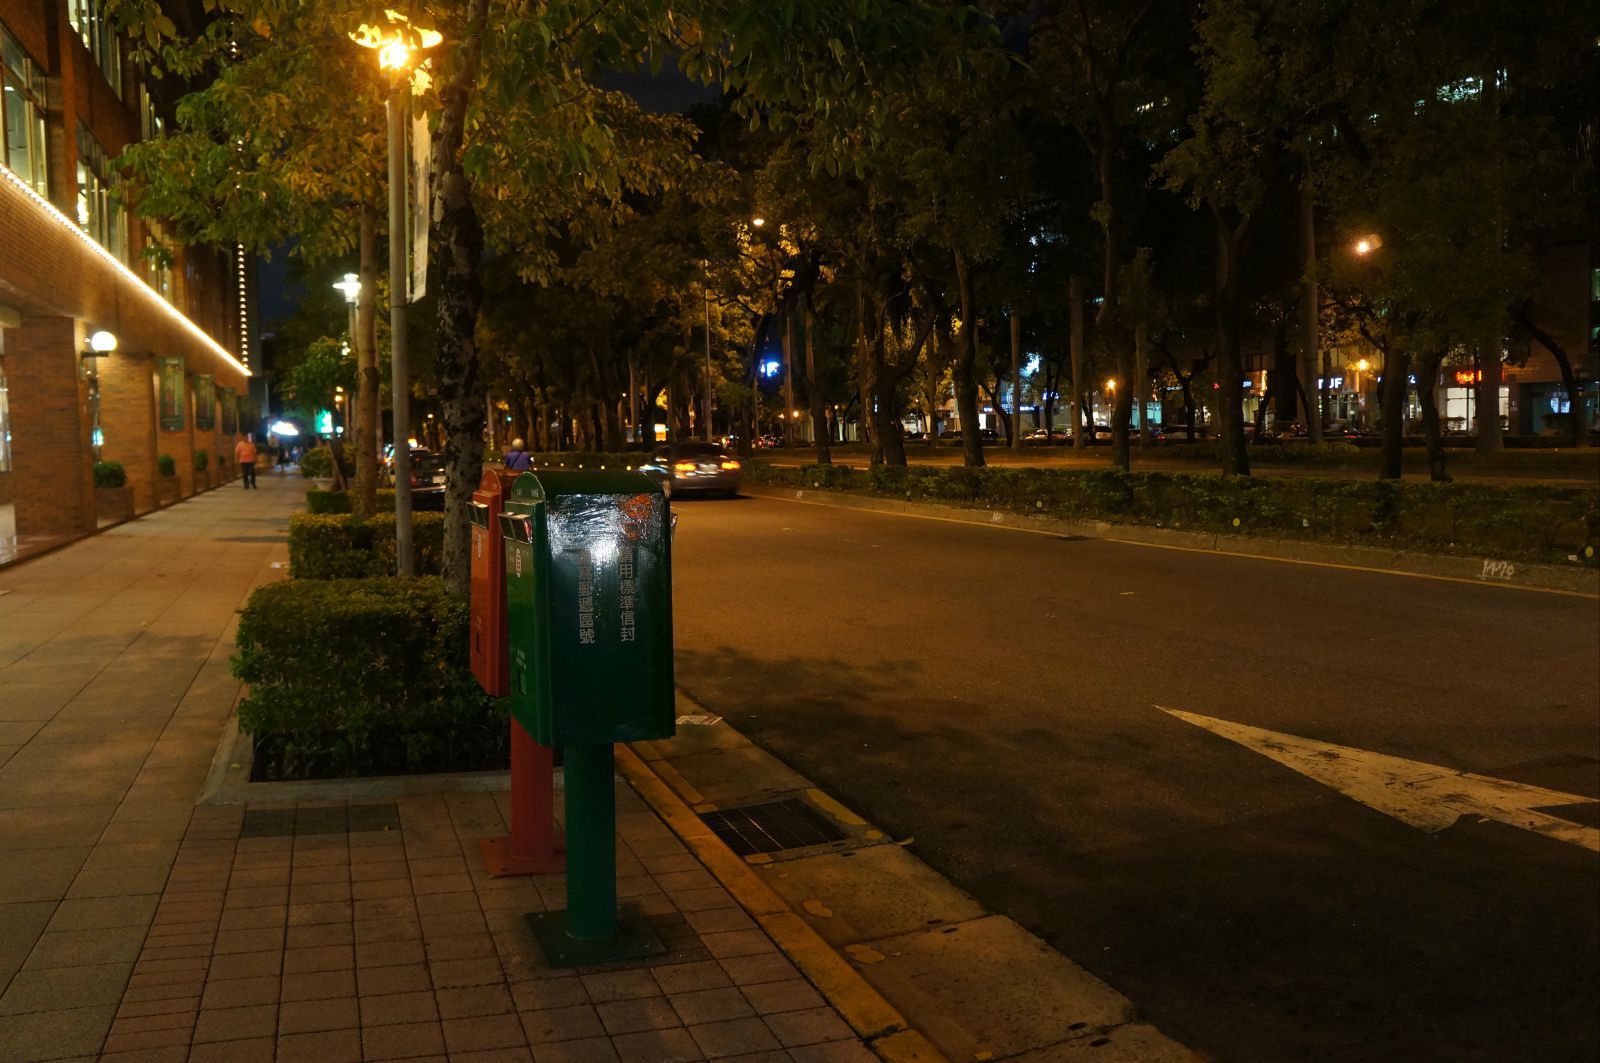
(22, 143)
(88, 17)
(99, 212)
(151, 124)
(158, 258)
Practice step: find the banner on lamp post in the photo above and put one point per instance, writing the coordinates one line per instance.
(421, 203)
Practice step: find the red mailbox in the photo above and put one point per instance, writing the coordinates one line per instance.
(531, 848)
(488, 650)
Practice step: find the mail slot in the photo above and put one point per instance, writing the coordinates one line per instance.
(488, 629)
(589, 591)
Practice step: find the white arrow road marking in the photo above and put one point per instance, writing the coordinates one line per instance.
(1426, 796)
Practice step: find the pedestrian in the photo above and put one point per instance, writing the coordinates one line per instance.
(517, 458)
(244, 452)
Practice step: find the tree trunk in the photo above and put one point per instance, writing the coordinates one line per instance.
(369, 382)
(819, 408)
(1569, 379)
(966, 378)
(1230, 373)
(1427, 395)
(789, 408)
(1141, 385)
(1308, 304)
(1016, 381)
(457, 253)
(1491, 438)
(1075, 345)
(1392, 406)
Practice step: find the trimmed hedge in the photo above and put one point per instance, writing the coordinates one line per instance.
(110, 474)
(1526, 523)
(351, 677)
(317, 462)
(166, 465)
(332, 546)
(342, 502)
(201, 460)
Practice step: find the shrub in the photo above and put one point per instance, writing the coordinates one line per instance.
(201, 460)
(344, 501)
(363, 676)
(165, 465)
(317, 462)
(332, 546)
(110, 474)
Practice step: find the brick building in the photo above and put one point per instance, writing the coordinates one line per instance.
(72, 265)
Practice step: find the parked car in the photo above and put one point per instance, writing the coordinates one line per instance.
(427, 478)
(1049, 437)
(694, 468)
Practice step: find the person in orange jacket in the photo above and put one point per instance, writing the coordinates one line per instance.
(244, 452)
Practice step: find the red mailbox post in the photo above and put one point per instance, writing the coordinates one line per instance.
(532, 847)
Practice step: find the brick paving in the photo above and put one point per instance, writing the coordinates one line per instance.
(135, 925)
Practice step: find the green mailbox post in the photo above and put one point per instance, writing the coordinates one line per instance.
(589, 610)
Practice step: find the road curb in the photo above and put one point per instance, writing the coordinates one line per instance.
(1515, 575)
(884, 1029)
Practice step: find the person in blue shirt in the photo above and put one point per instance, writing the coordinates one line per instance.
(517, 458)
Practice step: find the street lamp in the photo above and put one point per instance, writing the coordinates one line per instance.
(400, 46)
(1367, 244)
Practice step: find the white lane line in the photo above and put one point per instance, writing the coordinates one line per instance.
(1425, 796)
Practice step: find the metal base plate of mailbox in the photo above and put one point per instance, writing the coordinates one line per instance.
(635, 940)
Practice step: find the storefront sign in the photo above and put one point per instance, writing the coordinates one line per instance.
(205, 402)
(1468, 377)
(170, 372)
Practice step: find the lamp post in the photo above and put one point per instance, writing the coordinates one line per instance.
(398, 46)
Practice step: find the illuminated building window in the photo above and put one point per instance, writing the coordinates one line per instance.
(151, 124)
(22, 143)
(89, 18)
(158, 258)
(99, 211)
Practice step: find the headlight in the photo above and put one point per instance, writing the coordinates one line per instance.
(730, 465)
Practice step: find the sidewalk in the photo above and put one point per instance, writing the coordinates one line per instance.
(136, 926)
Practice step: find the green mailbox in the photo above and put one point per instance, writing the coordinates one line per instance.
(589, 604)
(589, 620)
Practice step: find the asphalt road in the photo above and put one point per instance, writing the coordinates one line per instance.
(992, 694)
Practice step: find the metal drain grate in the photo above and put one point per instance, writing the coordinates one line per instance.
(769, 828)
(336, 819)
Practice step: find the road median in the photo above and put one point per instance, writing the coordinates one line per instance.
(1571, 578)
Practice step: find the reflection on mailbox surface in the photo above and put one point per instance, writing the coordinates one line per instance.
(589, 590)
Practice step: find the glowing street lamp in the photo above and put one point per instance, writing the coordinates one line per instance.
(400, 45)
(758, 221)
(1367, 244)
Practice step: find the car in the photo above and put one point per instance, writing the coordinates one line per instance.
(1049, 437)
(427, 479)
(694, 468)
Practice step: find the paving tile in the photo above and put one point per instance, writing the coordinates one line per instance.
(734, 1037)
(95, 913)
(389, 953)
(711, 1005)
(79, 948)
(483, 1032)
(850, 1051)
(753, 970)
(318, 958)
(70, 1032)
(254, 918)
(794, 994)
(249, 1050)
(583, 1050)
(453, 974)
(402, 1042)
(391, 1009)
(561, 1024)
(322, 1046)
(319, 985)
(150, 1044)
(240, 992)
(318, 934)
(401, 978)
(620, 985)
(461, 947)
(807, 1027)
(645, 1013)
(310, 1016)
(689, 977)
(246, 965)
(657, 1046)
(738, 943)
(263, 939)
(545, 993)
(468, 1001)
(234, 1024)
(47, 990)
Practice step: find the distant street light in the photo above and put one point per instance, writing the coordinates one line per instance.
(400, 46)
(758, 221)
(1368, 244)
